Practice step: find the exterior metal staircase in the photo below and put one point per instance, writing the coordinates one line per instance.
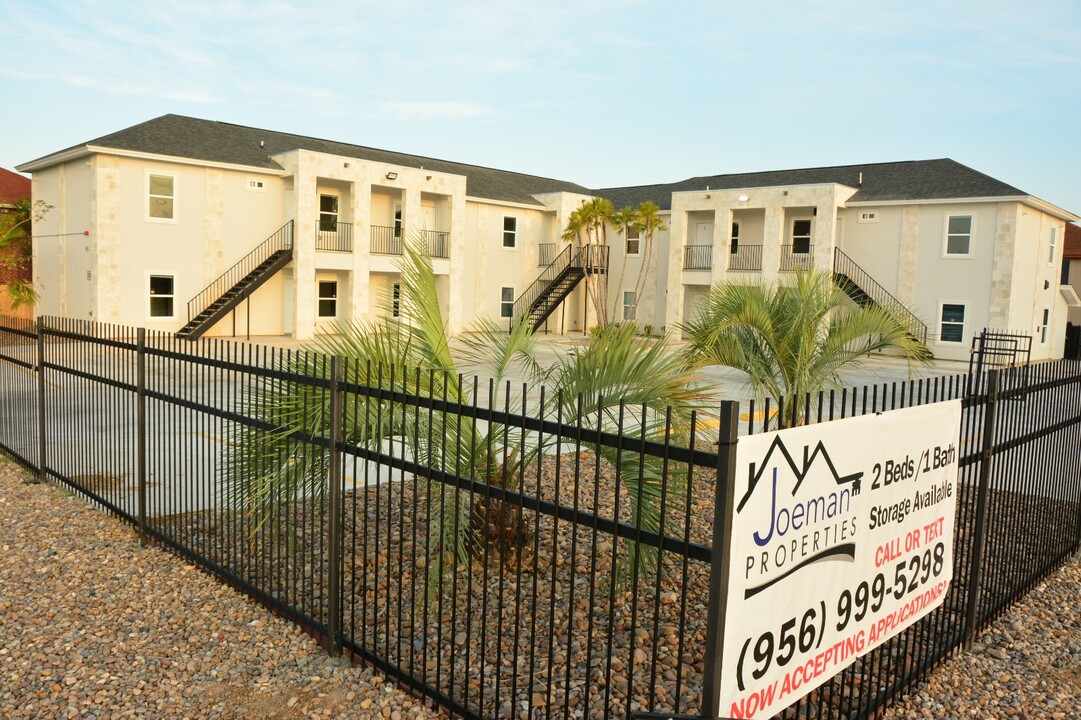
(556, 282)
(238, 282)
(867, 292)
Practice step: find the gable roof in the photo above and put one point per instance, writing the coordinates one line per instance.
(881, 182)
(213, 141)
(13, 187)
(1071, 248)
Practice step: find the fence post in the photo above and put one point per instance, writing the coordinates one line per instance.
(42, 475)
(334, 553)
(975, 576)
(723, 510)
(140, 422)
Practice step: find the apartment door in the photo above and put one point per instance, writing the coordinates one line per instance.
(703, 234)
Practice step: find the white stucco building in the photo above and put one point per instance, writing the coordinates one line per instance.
(187, 216)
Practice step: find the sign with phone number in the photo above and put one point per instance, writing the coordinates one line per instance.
(842, 536)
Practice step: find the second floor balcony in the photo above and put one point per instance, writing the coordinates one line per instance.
(697, 257)
(387, 240)
(334, 237)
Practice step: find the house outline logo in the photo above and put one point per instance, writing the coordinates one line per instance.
(799, 470)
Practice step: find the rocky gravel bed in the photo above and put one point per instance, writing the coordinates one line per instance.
(94, 626)
(1027, 665)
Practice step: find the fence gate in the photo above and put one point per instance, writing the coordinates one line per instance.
(994, 348)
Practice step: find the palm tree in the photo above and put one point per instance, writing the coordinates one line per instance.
(588, 225)
(792, 339)
(648, 220)
(412, 353)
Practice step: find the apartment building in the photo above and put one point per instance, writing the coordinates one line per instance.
(209, 228)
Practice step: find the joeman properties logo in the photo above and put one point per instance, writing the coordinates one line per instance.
(799, 529)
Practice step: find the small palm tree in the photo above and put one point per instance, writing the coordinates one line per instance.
(415, 349)
(793, 339)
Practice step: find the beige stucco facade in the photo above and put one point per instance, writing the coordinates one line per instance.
(100, 247)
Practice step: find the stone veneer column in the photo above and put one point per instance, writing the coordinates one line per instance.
(722, 244)
(908, 255)
(772, 239)
(1006, 232)
(307, 204)
(105, 239)
(673, 303)
(456, 281)
(360, 284)
(824, 237)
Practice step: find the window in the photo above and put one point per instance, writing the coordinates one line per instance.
(397, 222)
(396, 300)
(162, 295)
(951, 329)
(328, 213)
(161, 192)
(1065, 279)
(1043, 328)
(959, 235)
(634, 244)
(510, 232)
(630, 305)
(867, 216)
(328, 298)
(801, 237)
(735, 238)
(1051, 246)
(256, 185)
(506, 302)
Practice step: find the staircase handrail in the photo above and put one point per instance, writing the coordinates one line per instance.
(845, 265)
(282, 239)
(524, 303)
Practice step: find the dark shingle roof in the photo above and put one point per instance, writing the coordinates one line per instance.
(909, 180)
(186, 137)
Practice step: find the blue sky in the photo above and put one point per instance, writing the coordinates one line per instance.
(600, 93)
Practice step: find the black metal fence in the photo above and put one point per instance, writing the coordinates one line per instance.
(521, 555)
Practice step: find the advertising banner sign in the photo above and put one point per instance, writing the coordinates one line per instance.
(842, 536)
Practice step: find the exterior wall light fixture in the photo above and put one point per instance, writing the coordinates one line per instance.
(392, 175)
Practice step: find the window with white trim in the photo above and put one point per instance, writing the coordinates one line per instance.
(396, 300)
(397, 222)
(328, 298)
(1051, 246)
(510, 231)
(506, 302)
(735, 238)
(959, 235)
(801, 237)
(634, 243)
(630, 305)
(1065, 279)
(951, 328)
(328, 213)
(162, 296)
(1043, 328)
(161, 196)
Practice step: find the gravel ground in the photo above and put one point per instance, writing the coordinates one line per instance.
(1026, 665)
(94, 626)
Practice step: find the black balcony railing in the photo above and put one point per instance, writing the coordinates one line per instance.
(546, 253)
(745, 258)
(799, 256)
(339, 238)
(386, 240)
(697, 257)
(438, 243)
